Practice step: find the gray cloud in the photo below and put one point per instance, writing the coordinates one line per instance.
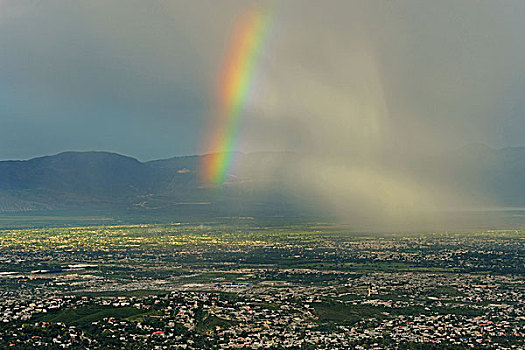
(450, 68)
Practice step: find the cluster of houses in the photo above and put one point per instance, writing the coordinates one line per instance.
(273, 317)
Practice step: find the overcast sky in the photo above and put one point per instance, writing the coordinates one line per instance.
(138, 78)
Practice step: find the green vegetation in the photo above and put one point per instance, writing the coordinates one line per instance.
(207, 323)
(346, 314)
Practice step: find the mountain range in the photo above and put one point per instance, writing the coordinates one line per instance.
(110, 182)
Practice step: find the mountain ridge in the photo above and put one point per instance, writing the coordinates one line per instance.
(110, 181)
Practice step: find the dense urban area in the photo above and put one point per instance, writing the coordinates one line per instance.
(187, 286)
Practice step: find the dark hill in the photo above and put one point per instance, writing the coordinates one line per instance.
(88, 173)
(109, 181)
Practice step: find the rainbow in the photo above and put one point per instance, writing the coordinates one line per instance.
(235, 80)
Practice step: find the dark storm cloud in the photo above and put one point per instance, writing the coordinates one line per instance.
(139, 77)
(97, 76)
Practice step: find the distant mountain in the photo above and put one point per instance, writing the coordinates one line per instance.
(498, 174)
(111, 182)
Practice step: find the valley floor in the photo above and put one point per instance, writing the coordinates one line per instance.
(292, 287)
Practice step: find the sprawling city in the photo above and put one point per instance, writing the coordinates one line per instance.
(299, 287)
